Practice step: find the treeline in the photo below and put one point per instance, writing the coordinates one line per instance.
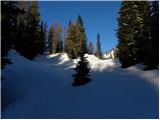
(72, 40)
(22, 29)
(138, 33)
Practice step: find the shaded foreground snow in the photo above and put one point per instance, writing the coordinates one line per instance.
(43, 89)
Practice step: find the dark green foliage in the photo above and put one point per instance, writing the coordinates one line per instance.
(61, 46)
(71, 41)
(65, 40)
(133, 33)
(30, 32)
(81, 37)
(9, 12)
(50, 39)
(90, 48)
(21, 28)
(42, 39)
(33, 31)
(76, 41)
(98, 52)
(55, 39)
(82, 75)
(153, 60)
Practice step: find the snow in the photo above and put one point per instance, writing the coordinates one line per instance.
(43, 89)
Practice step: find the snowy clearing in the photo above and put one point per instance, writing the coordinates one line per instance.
(43, 89)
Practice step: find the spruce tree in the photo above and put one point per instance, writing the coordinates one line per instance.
(22, 28)
(42, 36)
(133, 33)
(29, 30)
(99, 52)
(82, 72)
(50, 39)
(33, 30)
(71, 40)
(55, 39)
(90, 48)
(153, 58)
(65, 40)
(9, 12)
(76, 40)
(81, 37)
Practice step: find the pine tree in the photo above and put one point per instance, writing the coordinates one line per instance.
(50, 39)
(22, 27)
(76, 41)
(65, 40)
(9, 12)
(46, 36)
(133, 34)
(153, 58)
(71, 40)
(42, 36)
(81, 37)
(33, 30)
(61, 46)
(99, 52)
(82, 75)
(55, 39)
(28, 26)
(91, 48)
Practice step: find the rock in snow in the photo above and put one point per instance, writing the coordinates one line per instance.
(42, 88)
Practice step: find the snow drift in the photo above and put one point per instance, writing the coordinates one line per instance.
(42, 89)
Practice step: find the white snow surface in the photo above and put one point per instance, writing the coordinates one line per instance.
(42, 88)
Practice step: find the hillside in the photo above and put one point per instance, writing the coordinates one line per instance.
(43, 89)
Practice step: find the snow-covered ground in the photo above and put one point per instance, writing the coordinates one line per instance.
(43, 89)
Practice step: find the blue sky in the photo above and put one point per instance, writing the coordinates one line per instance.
(97, 17)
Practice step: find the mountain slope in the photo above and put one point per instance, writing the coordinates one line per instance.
(42, 89)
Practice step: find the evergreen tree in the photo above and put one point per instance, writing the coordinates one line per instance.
(65, 40)
(61, 46)
(50, 39)
(81, 37)
(99, 52)
(90, 48)
(71, 40)
(133, 34)
(22, 27)
(153, 58)
(28, 27)
(82, 69)
(9, 12)
(76, 41)
(55, 39)
(46, 36)
(42, 36)
(33, 30)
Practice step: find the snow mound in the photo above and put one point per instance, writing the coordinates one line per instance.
(150, 75)
(62, 58)
(42, 88)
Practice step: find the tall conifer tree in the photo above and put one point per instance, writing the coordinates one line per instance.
(71, 40)
(81, 37)
(133, 33)
(99, 52)
(90, 48)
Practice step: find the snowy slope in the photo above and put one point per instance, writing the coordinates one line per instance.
(42, 89)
